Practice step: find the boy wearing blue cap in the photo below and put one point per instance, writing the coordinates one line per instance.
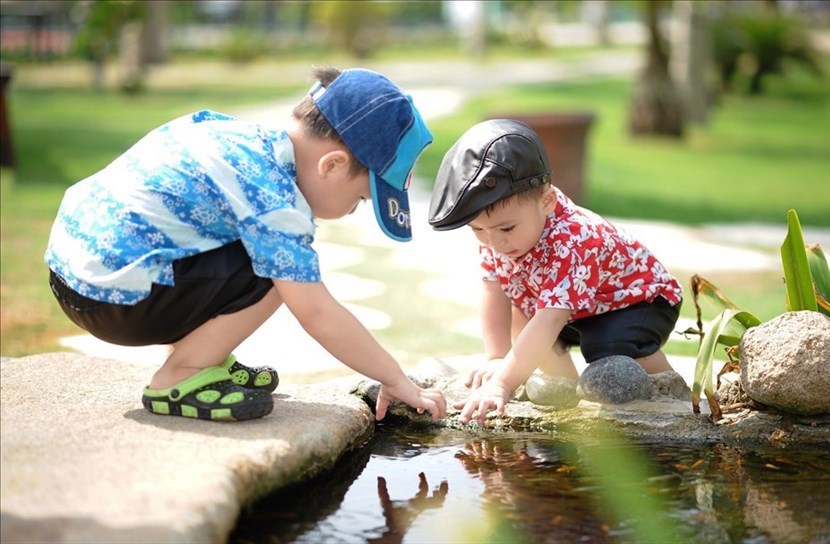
(556, 275)
(199, 232)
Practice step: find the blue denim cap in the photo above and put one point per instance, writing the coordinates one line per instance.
(385, 132)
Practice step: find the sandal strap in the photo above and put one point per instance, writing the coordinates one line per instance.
(206, 376)
(228, 363)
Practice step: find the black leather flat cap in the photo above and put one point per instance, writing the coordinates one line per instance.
(493, 160)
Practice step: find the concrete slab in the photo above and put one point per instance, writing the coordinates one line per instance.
(84, 462)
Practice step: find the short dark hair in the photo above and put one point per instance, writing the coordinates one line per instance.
(534, 193)
(309, 115)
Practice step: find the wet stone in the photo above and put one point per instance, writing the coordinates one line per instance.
(614, 380)
(556, 392)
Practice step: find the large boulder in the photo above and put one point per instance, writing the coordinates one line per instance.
(785, 363)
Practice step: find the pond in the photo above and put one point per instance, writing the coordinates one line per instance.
(408, 485)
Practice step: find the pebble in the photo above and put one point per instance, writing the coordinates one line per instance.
(556, 392)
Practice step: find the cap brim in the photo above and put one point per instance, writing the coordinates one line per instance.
(391, 209)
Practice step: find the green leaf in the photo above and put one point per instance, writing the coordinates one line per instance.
(717, 335)
(820, 271)
(800, 291)
(714, 295)
(729, 340)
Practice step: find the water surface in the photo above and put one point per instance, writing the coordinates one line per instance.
(448, 486)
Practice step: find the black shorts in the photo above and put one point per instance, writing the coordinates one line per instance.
(217, 282)
(635, 331)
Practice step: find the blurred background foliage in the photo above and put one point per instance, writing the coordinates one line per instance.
(726, 121)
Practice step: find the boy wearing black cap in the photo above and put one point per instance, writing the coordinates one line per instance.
(556, 274)
(200, 231)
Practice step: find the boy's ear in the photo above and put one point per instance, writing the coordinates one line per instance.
(331, 161)
(549, 197)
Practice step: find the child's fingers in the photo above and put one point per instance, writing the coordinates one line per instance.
(471, 408)
(485, 405)
(437, 407)
(380, 407)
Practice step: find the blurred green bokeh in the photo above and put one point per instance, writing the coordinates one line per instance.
(756, 158)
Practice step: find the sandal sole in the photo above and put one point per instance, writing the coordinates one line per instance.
(243, 412)
(210, 394)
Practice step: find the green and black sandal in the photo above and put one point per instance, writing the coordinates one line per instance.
(209, 394)
(259, 377)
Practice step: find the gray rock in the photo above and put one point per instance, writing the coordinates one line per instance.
(731, 392)
(785, 363)
(556, 392)
(669, 384)
(614, 380)
(431, 370)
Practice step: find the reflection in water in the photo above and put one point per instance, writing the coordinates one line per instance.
(530, 487)
(410, 486)
(400, 514)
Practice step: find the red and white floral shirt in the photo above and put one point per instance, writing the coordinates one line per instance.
(581, 263)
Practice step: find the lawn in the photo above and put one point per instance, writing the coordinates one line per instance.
(756, 158)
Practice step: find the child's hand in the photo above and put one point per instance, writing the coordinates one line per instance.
(493, 395)
(430, 400)
(479, 376)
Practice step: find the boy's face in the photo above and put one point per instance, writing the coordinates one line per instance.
(337, 193)
(513, 228)
(356, 190)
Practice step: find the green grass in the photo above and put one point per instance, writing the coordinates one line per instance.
(64, 135)
(756, 158)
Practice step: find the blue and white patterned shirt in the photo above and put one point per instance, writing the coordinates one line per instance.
(192, 185)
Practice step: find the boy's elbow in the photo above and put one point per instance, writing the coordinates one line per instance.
(318, 320)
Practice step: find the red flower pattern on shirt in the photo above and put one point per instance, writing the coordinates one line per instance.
(581, 263)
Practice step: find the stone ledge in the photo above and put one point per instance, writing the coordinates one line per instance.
(82, 461)
(661, 418)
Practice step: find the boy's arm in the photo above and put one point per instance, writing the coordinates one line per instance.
(530, 348)
(495, 331)
(495, 320)
(342, 335)
(518, 321)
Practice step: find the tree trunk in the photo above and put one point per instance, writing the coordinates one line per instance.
(656, 107)
(691, 57)
(129, 55)
(99, 69)
(155, 43)
(598, 14)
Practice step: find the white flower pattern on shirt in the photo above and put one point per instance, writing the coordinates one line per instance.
(581, 263)
(194, 184)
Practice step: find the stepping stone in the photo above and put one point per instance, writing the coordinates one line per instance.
(614, 380)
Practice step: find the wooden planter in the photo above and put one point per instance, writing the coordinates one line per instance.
(565, 137)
